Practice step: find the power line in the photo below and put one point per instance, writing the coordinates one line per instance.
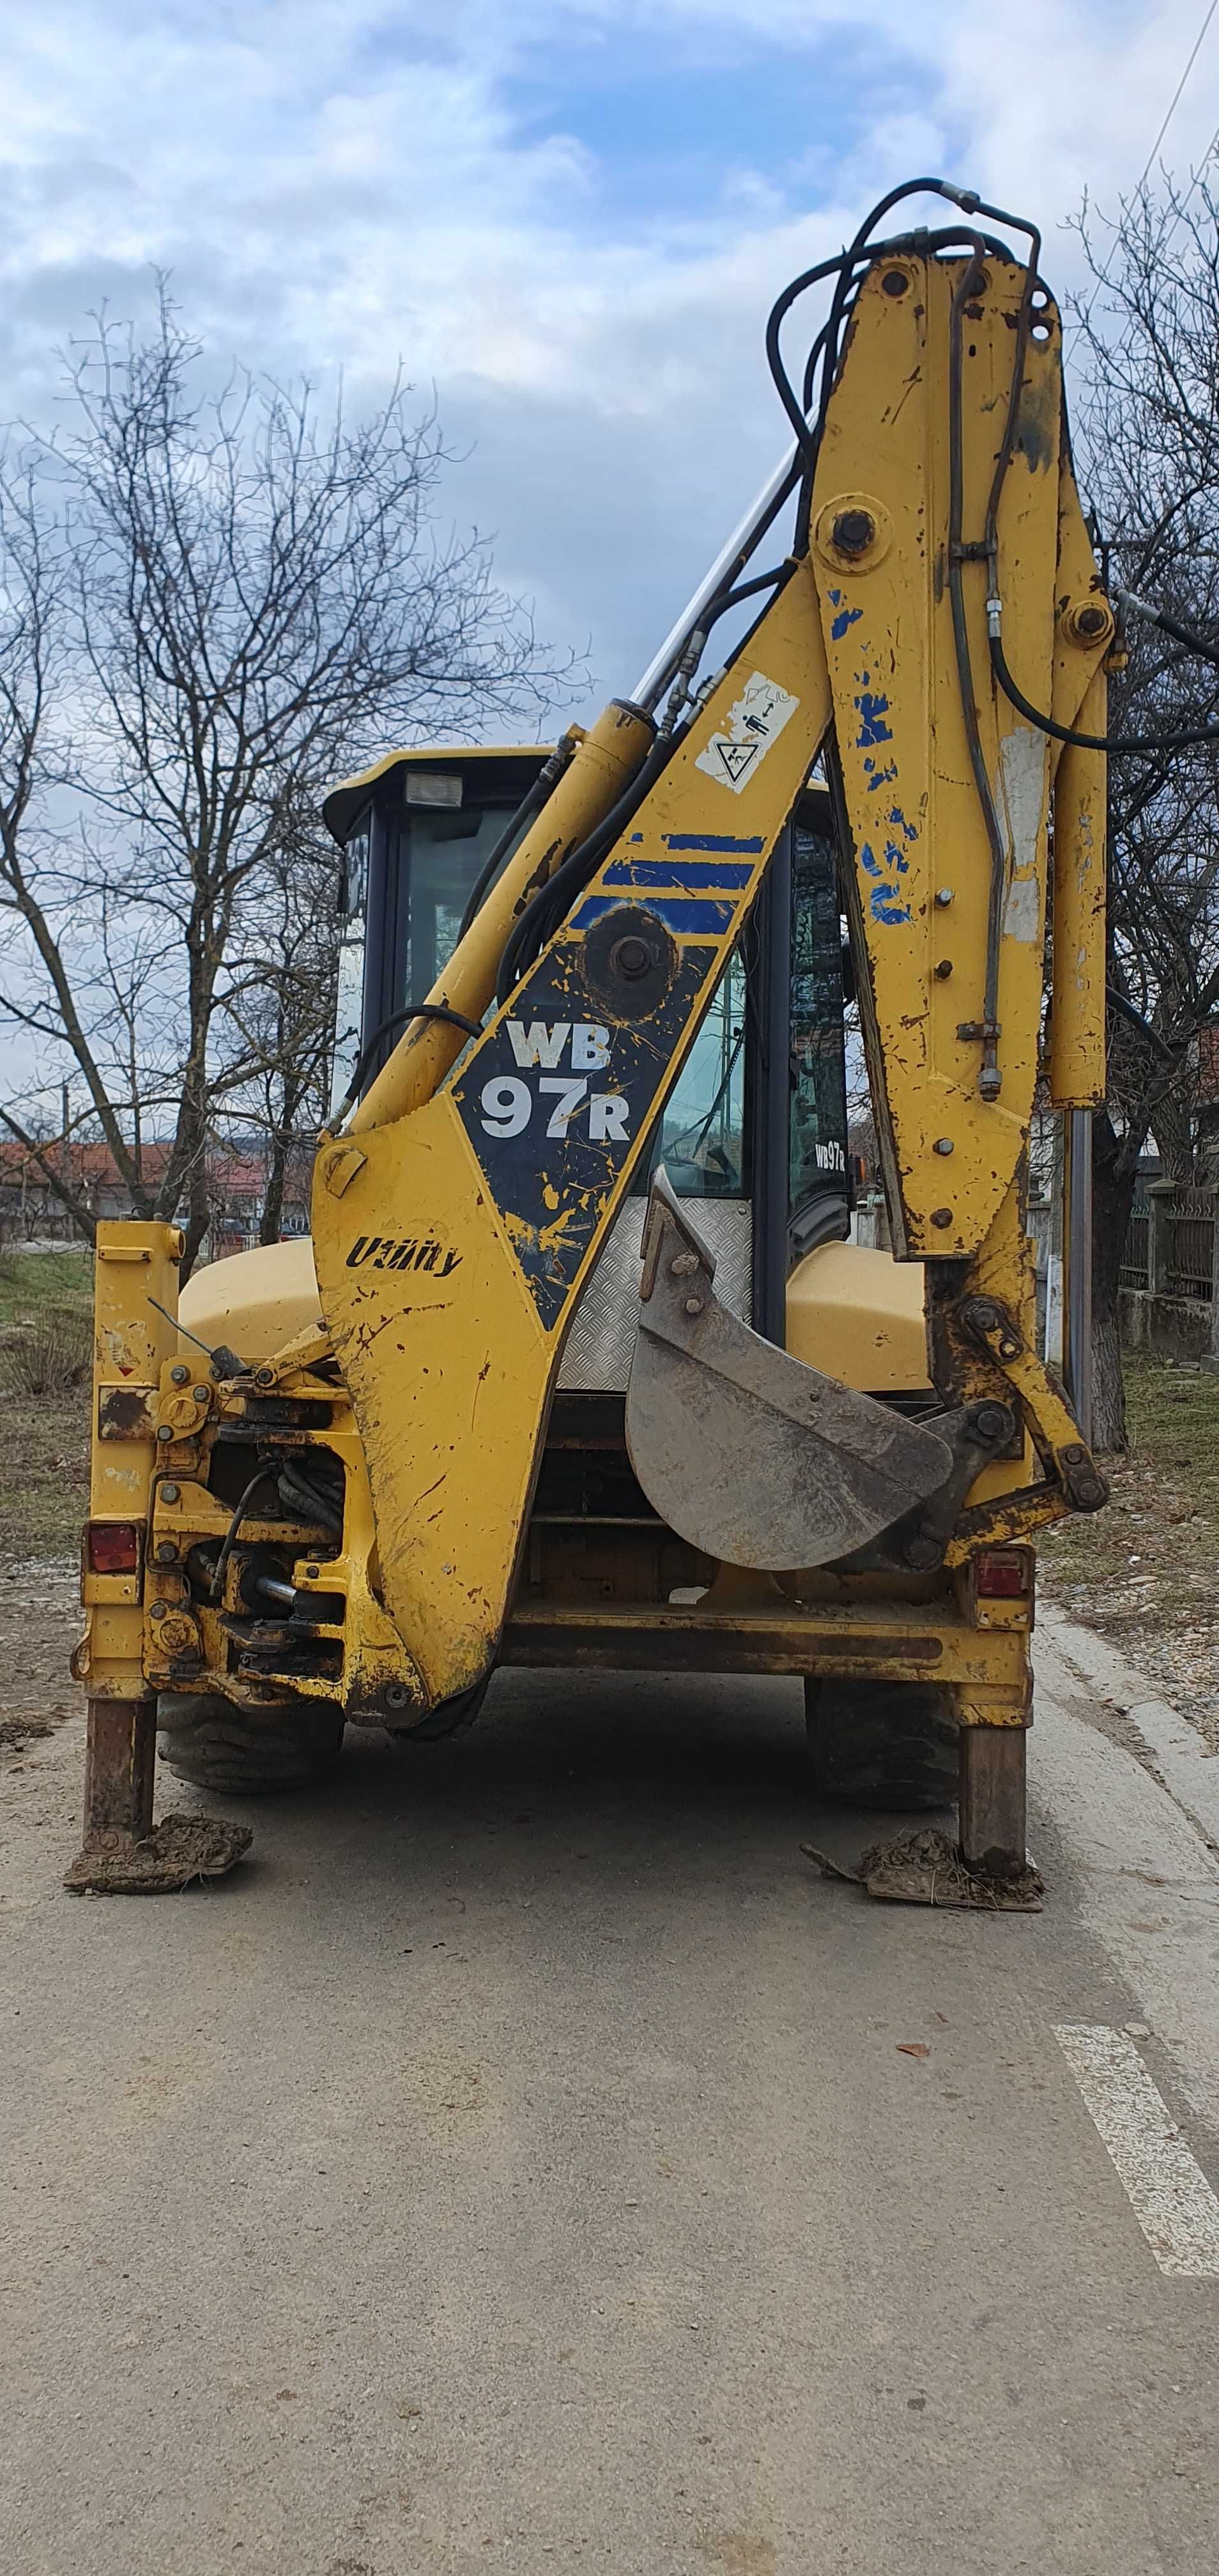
(1169, 114)
(1178, 93)
(1208, 156)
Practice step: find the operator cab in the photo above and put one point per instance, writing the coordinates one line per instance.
(756, 1124)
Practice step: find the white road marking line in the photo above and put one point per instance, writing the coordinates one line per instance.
(1166, 2187)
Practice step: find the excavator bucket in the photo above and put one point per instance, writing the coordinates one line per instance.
(747, 1453)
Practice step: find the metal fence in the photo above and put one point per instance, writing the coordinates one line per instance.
(1137, 1255)
(1170, 1245)
(1189, 1249)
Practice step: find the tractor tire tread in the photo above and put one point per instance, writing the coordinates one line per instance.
(882, 1744)
(215, 1744)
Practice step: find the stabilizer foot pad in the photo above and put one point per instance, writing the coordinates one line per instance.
(925, 1868)
(178, 1851)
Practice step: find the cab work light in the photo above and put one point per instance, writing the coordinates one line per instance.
(1003, 1574)
(113, 1547)
(429, 787)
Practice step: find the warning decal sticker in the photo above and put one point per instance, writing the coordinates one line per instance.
(753, 724)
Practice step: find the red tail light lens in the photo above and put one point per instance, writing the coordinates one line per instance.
(113, 1547)
(1003, 1575)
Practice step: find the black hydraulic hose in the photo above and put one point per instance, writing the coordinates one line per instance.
(806, 438)
(1178, 741)
(553, 901)
(745, 590)
(968, 285)
(542, 916)
(1114, 742)
(990, 1078)
(766, 522)
(230, 1535)
(396, 1020)
(294, 1488)
(1024, 316)
(811, 364)
(1184, 737)
(860, 253)
(530, 806)
(1129, 602)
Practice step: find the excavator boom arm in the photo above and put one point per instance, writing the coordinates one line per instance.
(455, 1226)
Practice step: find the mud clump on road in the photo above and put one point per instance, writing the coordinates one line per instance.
(178, 1852)
(925, 1868)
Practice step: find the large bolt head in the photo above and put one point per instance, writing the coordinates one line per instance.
(629, 957)
(1088, 622)
(853, 531)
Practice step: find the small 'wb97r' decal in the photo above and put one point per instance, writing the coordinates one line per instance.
(402, 1252)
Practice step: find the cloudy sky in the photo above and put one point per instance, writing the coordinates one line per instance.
(570, 215)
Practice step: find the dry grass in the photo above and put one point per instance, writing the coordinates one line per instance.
(45, 1486)
(32, 1281)
(46, 1304)
(48, 1355)
(1143, 1572)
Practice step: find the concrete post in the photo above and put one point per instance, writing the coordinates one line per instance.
(1158, 1239)
(1211, 1361)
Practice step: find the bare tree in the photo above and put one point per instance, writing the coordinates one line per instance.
(280, 1004)
(220, 602)
(1147, 430)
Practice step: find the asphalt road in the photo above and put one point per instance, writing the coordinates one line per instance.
(518, 2162)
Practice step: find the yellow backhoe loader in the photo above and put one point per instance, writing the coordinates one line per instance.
(580, 1365)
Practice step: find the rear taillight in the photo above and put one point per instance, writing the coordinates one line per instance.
(1003, 1574)
(112, 1547)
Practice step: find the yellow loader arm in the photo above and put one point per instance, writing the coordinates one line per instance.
(457, 1219)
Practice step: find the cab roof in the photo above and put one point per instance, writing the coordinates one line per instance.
(518, 765)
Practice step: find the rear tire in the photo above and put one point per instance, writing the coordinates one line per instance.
(238, 1751)
(882, 1744)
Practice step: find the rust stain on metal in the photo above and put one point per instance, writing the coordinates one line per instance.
(125, 1412)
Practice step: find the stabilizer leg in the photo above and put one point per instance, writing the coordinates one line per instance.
(992, 1800)
(121, 1854)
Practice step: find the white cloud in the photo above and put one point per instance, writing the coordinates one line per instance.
(335, 182)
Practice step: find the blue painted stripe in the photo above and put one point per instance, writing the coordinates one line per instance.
(712, 841)
(704, 917)
(678, 872)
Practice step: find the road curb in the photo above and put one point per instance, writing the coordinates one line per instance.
(1190, 1772)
